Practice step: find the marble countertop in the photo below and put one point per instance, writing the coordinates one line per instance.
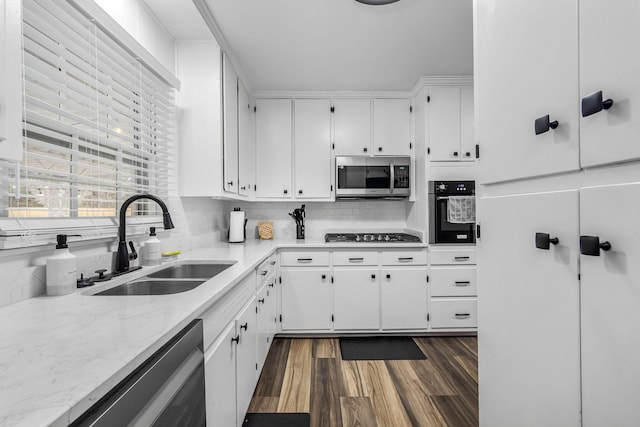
(59, 355)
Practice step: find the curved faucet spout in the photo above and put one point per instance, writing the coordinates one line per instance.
(122, 257)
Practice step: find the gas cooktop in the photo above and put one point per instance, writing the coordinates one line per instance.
(370, 238)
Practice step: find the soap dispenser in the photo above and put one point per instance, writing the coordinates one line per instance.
(61, 269)
(152, 249)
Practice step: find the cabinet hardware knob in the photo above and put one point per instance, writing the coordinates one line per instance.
(245, 326)
(244, 187)
(467, 154)
(544, 241)
(286, 191)
(388, 276)
(365, 149)
(272, 263)
(379, 149)
(373, 276)
(230, 183)
(543, 124)
(462, 315)
(462, 283)
(299, 191)
(261, 301)
(455, 154)
(591, 245)
(270, 285)
(264, 272)
(461, 258)
(594, 104)
(324, 276)
(236, 339)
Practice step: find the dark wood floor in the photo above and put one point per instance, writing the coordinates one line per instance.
(309, 375)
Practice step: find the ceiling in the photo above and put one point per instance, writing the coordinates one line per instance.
(337, 45)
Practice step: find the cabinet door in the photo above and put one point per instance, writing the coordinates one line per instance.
(356, 298)
(467, 135)
(515, 43)
(352, 127)
(11, 80)
(262, 326)
(246, 144)
(230, 125)
(246, 356)
(306, 299)
(609, 62)
(403, 298)
(220, 380)
(312, 166)
(444, 124)
(391, 127)
(611, 307)
(528, 311)
(273, 148)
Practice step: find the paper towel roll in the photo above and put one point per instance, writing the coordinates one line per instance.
(236, 226)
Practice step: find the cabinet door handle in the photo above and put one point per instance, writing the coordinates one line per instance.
(285, 191)
(461, 258)
(379, 149)
(324, 276)
(544, 241)
(236, 339)
(356, 259)
(272, 263)
(373, 276)
(261, 301)
(299, 191)
(270, 285)
(305, 259)
(365, 149)
(591, 245)
(405, 259)
(264, 272)
(462, 315)
(468, 154)
(594, 104)
(455, 154)
(388, 276)
(245, 326)
(462, 283)
(543, 124)
(230, 183)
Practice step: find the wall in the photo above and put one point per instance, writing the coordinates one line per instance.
(323, 217)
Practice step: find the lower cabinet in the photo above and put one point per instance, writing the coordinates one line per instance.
(246, 358)
(403, 298)
(306, 298)
(356, 299)
(266, 317)
(220, 379)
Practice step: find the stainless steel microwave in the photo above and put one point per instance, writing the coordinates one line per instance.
(373, 177)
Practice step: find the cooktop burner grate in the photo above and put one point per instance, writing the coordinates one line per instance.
(370, 237)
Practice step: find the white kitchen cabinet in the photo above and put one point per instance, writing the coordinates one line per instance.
(453, 313)
(312, 148)
(392, 127)
(352, 127)
(609, 63)
(266, 314)
(306, 298)
(356, 298)
(246, 144)
(274, 147)
(246, 358)
(220, 379)
(403, 298)
(515, 41)
(452, 281)
(11, 80)
(610, 302)
(528, 311)
(199, 119)
(450, 124)
(230, 125)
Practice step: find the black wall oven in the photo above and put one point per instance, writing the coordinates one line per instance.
(446, 227)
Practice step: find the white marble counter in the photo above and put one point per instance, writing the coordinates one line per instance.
(59, 355)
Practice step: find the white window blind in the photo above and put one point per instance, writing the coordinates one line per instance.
(98, 125)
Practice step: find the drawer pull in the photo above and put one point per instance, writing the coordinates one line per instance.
(405, 259)
(264, 272)
(236, 339)
(246, 325)
(270, 285)
(356, 259)
(461, 258)
(272, 263)
(462, 283)
(261, 301)
(305, 259)
(462, 315)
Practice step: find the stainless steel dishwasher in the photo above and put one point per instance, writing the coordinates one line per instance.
(166, 390)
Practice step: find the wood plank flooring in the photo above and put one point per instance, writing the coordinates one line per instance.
(309, 375)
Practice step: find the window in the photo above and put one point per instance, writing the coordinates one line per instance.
(98, 125)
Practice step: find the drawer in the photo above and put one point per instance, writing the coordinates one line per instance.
(453, 281)
(403, 258)
(355, 258)
(303, 259)
(265, 269)
(453, 256)
(454, 313)
(223, 311)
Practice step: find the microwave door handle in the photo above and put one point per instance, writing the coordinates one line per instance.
(393, 172)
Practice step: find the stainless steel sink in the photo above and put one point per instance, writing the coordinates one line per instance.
(153, 287)
(192, 271)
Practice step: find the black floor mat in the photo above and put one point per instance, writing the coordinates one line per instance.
(380, 348)
(277, 420)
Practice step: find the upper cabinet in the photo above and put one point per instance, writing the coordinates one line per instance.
(230, 126)
(246, 144)
(274, 146)
(11, 80)
(450, 124)
(312, 148)
(516, 41)
(392, 127)
(609, 70)
(352, 127)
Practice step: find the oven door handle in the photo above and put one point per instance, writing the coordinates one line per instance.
(392, 171)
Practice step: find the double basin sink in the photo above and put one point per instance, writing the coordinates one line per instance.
(170, 280)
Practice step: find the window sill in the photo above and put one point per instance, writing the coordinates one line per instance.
(18, 233)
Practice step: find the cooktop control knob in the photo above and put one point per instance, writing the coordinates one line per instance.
(442, 187)
(387, 238)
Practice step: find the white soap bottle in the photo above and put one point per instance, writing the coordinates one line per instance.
(61, 269)
(152, 248)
